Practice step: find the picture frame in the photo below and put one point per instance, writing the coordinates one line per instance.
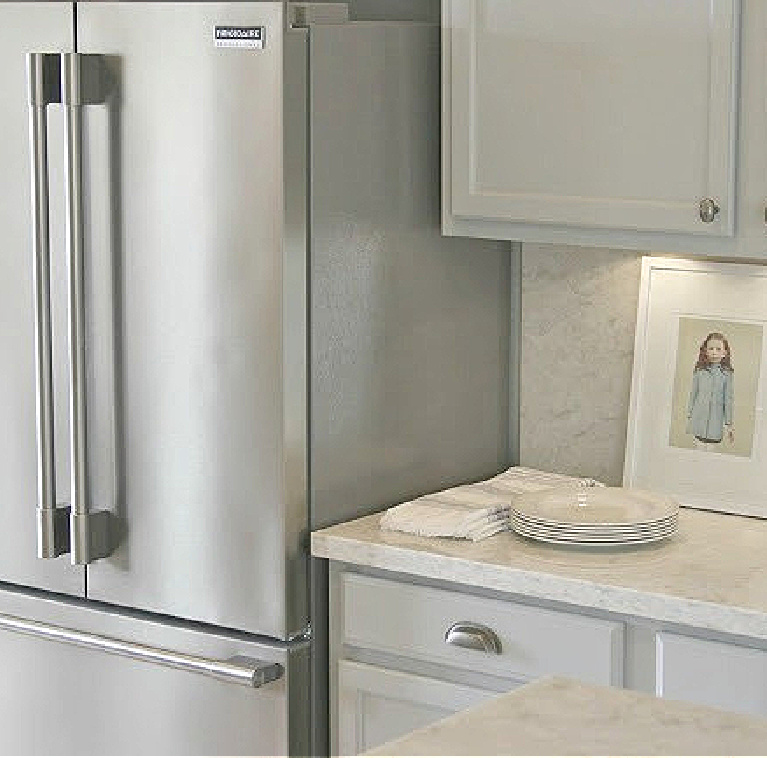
(697, 430)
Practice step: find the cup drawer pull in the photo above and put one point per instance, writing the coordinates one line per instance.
(474, 637)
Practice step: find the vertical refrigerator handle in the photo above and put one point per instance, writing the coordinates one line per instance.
(44, 88)
(83, 82)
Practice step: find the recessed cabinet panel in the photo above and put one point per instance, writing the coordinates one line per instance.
(720, 674)
(601, 114)
(377, 705)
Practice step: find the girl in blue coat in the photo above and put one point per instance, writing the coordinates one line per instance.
(709, 411)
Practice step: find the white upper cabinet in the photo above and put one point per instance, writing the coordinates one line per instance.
(604, 122)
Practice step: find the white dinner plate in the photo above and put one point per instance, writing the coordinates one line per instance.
(572, 540)
(594, 543)
(565, 533)
(595, 531)
(596, 506)
(586, 538)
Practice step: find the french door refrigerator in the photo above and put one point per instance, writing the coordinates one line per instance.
(227, 317)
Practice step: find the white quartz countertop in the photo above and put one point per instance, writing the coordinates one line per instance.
(712, 574)
(557, 716)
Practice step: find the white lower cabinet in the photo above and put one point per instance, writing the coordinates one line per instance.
(721, 674)
(376, 704)
(405, 652)
(404, 655)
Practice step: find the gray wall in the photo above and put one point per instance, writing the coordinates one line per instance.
(403, 10)
(577, 334)
(576, 355)
(392, 10)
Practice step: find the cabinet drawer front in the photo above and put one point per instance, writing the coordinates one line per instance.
(411, 620)
(719, 674)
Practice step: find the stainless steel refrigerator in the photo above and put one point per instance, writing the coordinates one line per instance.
(227, 317)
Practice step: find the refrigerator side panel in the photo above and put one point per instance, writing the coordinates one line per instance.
(60, 699)
(26, 28)
(185, 196)
(410, 331)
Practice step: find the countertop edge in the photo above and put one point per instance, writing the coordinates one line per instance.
(714, 617)
(556, 716)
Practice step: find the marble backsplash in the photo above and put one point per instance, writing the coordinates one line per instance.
(576, 352)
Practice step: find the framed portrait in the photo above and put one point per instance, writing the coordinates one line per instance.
(696, 427)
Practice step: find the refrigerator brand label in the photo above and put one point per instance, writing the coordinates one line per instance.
(252, 37)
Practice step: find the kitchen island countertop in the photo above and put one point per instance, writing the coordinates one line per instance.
(557, 716)
(712, 574)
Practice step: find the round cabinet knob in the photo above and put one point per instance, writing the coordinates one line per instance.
(709, 210)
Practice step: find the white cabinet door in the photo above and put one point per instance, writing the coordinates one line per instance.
(719, 674)
(600, 114)
(376, 705)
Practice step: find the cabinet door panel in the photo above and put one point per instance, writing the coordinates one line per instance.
(719, 674)
(376, 705)
(601, 114)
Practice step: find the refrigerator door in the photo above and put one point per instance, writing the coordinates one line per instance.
(183, 199)
(60, 698)
(31, 28)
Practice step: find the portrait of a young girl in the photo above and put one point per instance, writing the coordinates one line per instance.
(710, 407)
(714, 397)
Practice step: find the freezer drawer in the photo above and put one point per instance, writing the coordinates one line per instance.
(72, 696)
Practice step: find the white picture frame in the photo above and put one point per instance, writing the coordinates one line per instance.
(696, 427)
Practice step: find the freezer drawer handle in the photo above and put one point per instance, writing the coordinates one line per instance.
(237, 670)
(44, 89)
(84, 81)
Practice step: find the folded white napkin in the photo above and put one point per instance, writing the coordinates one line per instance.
(473, 511)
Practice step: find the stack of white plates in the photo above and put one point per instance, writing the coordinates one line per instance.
(595, 516)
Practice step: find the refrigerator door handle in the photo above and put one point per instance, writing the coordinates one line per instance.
(44, 88)
(84, 81)
(236, 670)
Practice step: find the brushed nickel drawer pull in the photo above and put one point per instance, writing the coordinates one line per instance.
(473, 636)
